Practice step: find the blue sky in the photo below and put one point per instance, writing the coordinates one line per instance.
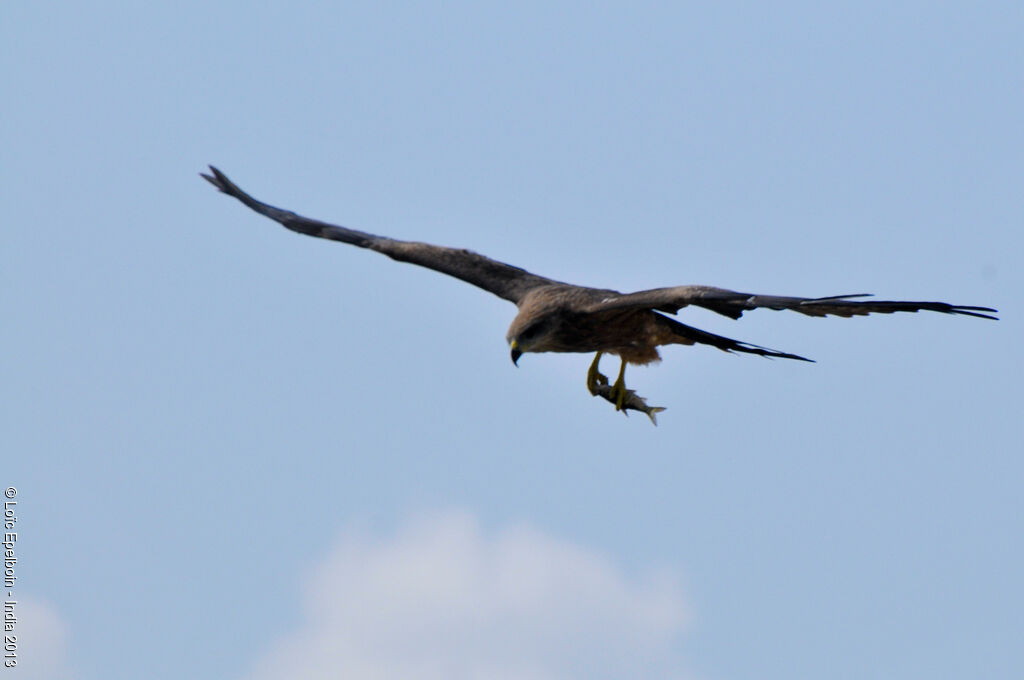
(241, 453)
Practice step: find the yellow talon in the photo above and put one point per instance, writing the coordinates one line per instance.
(619, 388)
(618, 394)
(594, 376)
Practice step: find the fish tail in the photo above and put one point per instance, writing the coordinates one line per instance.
(653, 410)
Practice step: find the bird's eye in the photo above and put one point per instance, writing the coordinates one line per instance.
(532, 331)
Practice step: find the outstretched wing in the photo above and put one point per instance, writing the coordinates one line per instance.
(732, 304)
(504, 280)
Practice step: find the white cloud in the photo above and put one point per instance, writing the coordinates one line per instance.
(40, 642)
(440, 599)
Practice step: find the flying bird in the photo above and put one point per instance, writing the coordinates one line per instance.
(561, 317)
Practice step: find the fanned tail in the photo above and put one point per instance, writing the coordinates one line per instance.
(688, 335)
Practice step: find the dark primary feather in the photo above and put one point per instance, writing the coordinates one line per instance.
(504, 280)
(732, 304)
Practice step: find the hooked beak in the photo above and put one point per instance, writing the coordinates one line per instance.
(516, 353)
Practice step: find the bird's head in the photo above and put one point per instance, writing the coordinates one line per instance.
(531, 335)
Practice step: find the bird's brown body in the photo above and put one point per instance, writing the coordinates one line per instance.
(632, 334)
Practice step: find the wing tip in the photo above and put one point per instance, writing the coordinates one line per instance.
(224, 185)
(219, 180)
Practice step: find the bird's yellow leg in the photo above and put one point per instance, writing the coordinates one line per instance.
(619, 387)
(594, 376)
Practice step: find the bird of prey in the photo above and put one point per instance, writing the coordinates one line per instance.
(562, 317)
